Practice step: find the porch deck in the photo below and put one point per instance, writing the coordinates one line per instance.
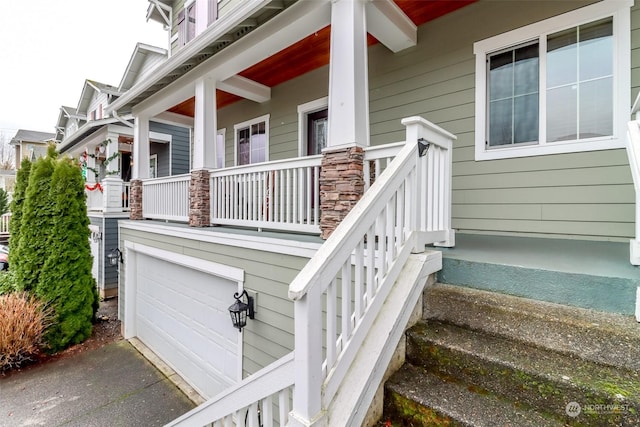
(588, 274)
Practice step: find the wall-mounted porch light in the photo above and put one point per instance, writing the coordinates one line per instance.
(423, 147)
(239, 310)
(114, 256)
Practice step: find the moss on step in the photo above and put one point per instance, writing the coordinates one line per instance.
(409, 413)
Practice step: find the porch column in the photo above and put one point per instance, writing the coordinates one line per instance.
(341, 176)
(112, 183)
(204, 152)
(91, 166)
(140, 169)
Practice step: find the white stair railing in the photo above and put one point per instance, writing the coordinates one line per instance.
(280, 195)
(166, 198)
(346, 282)
(361, 261)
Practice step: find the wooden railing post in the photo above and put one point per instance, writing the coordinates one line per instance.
(112, 194)
(307, 394)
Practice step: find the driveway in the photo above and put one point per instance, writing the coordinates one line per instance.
(109, 386)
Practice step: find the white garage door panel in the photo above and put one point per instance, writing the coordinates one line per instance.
(182, 315)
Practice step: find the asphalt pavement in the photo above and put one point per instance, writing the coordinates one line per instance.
(112, 386)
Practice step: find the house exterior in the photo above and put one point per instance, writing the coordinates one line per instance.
(30, 144)
(103, 144)
(299, 107)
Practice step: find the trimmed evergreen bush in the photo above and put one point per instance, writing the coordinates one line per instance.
(35, 225)
(4, 202)
(65, 282)
(17, 207)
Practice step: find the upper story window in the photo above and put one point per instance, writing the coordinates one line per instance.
(252, 141)
(190, 18)
(557, 86)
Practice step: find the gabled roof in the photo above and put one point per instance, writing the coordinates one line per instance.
(160, 11)
(65, 114)
(142, 55)
(24, 135)
(90, 87)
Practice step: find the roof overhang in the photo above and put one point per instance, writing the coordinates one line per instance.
(160, 11)
(87, 129)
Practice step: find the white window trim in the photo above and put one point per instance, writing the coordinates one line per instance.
(222, 132)
(248, 123)
(620, 11)
(303, 111)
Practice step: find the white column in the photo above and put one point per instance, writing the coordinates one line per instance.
(140, 168)
(112, 183)
(348, 76)
(91, 164)
(204, 125)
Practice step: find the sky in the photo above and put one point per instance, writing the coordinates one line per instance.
(50, 47)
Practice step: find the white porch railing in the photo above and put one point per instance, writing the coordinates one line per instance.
(96, 200)
(4, 223)
(166, 198)
(94, 196)
(282, 195)
(126, 194)
(376, 160)
(347, 282)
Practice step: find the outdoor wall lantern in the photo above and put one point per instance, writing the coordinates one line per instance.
(114, 256)
(239, 310)
(423, 147)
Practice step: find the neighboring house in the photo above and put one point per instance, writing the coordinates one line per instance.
(296, 109)
(103, 144)
(30, 144)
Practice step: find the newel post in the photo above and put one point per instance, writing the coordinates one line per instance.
(307, 408)
(433, 182)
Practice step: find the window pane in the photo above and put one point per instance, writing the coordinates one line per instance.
(562, 113)
(501, 76)
(500, 123)
(243, 147)
(219, 151)
(513, 103)
(562, 54)
(596, 49)
(526, 70)
(525, 118)
(258, 143)
(596, 108)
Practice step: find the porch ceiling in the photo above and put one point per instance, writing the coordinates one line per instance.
(312, 52)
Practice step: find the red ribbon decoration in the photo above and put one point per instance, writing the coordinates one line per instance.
(94, 187)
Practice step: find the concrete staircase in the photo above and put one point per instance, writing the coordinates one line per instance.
(484, 359)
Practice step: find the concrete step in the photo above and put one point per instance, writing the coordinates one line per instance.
(605, 338)
(527, 375)
(414, 397)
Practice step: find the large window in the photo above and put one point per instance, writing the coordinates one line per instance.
(252, 141)
(561, 88)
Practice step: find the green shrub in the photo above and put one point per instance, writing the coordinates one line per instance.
(66, 282)
(7, 282)
(17, 207)
(23, 320)
(36, 222)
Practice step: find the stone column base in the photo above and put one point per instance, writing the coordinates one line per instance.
(200, 199)
(135, 200)
(341, 186)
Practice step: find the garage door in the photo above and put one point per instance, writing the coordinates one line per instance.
(182, 315)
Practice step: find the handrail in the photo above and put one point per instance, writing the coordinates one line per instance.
(633, 152)
(404, 209)
(251, 398)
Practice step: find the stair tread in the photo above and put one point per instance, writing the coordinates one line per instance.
(563, 369)
(606, 338)
(457, 402)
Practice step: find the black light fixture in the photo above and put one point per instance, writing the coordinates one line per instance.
(114, 256)
(239, 310)
(423, 147)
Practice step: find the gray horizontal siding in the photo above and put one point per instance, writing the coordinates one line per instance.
(175, 156)
(585, 195)
(110, 238)
(270, 335)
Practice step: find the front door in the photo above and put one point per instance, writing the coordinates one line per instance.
(317, 132)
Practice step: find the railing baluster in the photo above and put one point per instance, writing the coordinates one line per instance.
(331, 323)
(283, 407)
(346, 303)
(359, 281)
